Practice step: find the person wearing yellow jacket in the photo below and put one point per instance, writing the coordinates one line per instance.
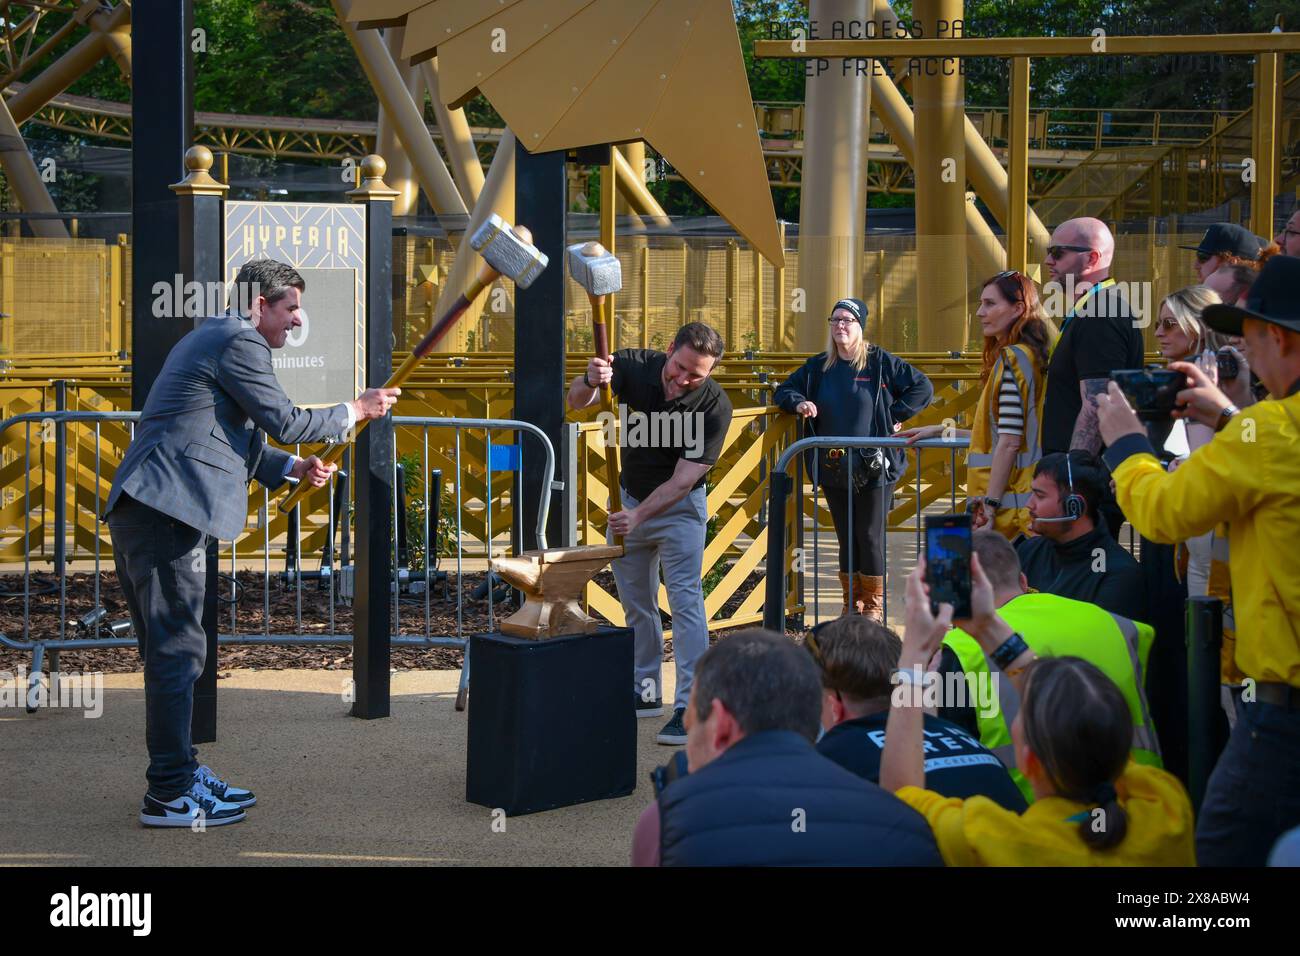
(1249, 477)
(1093, 805)
(1053, 626)
(1005, 440)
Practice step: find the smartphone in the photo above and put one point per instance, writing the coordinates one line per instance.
(1153, 392)
(1229, 367)
(947, 562)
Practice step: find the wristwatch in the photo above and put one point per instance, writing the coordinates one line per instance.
(586, 380)
(1228, 412)
(993, 504)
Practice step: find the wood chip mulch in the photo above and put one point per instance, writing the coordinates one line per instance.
(43, 622)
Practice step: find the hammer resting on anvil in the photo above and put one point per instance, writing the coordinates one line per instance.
(598, 271)
(506, 252)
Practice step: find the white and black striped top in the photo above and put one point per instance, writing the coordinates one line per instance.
(1011, 411)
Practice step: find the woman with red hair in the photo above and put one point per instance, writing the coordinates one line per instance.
(1005, 440)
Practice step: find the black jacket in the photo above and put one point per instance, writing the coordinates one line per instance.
(1075, 570)
(848, 405)
(772, 800)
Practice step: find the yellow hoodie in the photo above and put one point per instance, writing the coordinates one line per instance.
(979, 832)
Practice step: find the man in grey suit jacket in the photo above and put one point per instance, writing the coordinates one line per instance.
(183, 483)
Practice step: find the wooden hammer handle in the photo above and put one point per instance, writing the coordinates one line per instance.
(600, 338)
(486, 276)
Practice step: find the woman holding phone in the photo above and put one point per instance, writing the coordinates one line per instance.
(1072, 735)
(856, 389)
(1005, 440)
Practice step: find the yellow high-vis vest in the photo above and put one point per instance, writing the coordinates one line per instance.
(1012, 518)
(1055, 626)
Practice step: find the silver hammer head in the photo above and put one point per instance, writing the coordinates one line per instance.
(594, 269)
(509, 251)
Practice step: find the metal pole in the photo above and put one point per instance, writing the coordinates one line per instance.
(774, 600)
(938, 94)
(832, 201)
(1018, 167)
(1204, 637)
(1265, 141)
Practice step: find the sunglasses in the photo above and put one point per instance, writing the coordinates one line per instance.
(1166, 325)
(1204, 257)
(1055, 252)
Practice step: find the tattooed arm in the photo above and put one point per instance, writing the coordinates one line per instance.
(1087, 434)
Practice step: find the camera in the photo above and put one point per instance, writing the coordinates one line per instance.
(1229, 367)
(1153, 392)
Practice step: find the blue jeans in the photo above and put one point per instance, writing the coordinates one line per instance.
(161, 565)
(1253, 796)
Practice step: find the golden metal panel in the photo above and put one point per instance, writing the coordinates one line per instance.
(705, 127)
(599, 30)
(623, 92)
(438, 21)
(466, 60)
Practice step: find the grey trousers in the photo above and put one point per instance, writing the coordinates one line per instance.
(675, 540)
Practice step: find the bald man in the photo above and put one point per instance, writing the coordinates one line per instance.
(1099, 333)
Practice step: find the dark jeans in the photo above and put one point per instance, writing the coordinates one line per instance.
(161, 565)
(1253, 796)
(870, 509)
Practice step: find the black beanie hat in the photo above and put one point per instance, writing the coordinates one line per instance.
(856, 306)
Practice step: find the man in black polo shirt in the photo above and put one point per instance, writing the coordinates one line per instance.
(1099, 333)
(857, 657)
(674, 420)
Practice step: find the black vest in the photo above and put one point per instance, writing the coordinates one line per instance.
(772, 800)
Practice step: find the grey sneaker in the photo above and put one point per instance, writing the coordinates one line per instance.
(674, 732)
(649, 708)
(196, 809)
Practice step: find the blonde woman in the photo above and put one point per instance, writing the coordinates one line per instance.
(855, 389)
(1005, 442)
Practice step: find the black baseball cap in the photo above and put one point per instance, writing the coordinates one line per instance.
(856, 306)
(1230, 238)
(1274, 297)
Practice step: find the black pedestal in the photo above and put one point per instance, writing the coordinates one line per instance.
(552, 722)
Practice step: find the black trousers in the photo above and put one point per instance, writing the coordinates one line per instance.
(161, 565)
(1253, 796)
(867, 534)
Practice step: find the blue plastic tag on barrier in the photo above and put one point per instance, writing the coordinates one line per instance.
(503, 458)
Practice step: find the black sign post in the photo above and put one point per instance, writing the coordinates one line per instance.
(375, 451)
(198, 207)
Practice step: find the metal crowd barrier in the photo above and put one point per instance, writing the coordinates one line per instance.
(782, 484)
(327, 577)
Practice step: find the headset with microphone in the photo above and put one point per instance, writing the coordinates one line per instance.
(1075, 505)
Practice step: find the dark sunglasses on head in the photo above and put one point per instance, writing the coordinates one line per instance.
(1056, 251)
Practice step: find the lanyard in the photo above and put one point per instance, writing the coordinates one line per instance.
(1069, 316)
(1105, 283)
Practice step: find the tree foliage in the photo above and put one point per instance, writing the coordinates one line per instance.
(291, 58)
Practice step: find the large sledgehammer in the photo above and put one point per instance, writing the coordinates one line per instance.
(506, 252)
(600, 274)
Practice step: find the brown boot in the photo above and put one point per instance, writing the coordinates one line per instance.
(871, 588)
(847, 583)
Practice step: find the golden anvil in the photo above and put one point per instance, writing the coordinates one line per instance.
(552, 580)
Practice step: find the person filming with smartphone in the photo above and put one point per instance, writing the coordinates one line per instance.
(1249, 476)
